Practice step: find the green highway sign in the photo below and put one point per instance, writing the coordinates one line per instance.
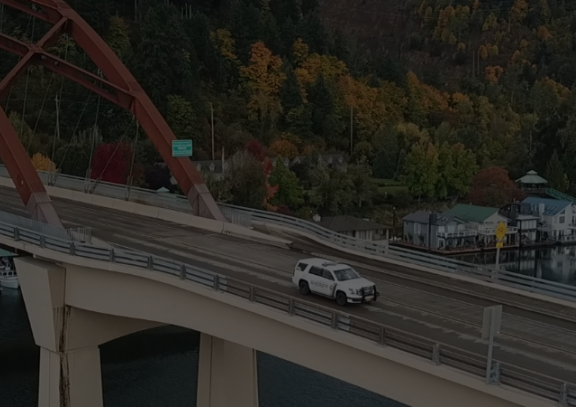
(181, 148)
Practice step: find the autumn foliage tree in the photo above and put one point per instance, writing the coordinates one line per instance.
(284, 148)
(263, 78)
(493, 187)
(257, 150)
(43, 163)
(111, 162)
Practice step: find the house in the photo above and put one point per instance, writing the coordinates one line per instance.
(532, 182)
(215, 168)
(355, 227)
(524, 219)
(337, 161)
(556, 218)
(436, 231)
(484, 221)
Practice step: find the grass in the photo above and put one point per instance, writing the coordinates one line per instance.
(389, 186)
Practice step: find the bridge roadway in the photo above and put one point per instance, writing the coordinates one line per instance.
(530, 340)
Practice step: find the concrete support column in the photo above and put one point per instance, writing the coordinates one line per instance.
(70, 379)
(227, 374)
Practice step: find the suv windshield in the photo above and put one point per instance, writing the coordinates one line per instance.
(346, 274)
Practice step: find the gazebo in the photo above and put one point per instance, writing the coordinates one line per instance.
(532, 182)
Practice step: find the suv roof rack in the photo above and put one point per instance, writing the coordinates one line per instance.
(329, 263)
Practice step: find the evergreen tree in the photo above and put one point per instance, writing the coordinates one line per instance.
(162, 60)
(290, 95)
(555, 173)
(325, 119)
(313, 33)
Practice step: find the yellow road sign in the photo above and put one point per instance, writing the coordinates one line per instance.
(499, 245)
(501, 230)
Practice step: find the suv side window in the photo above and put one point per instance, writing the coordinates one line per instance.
(301, 266)
(317, 271)
(327, 274)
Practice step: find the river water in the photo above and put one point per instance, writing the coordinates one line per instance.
(158, 368)
(554, 264)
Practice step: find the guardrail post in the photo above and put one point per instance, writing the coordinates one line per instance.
(382, 336)
(112, 255)
(496, 374)
(16, 234)
(291, 306)
(563, 400)
(150, 262)
(72, 248)
(436, 354)
(334, 322)
(42, 241)
(216, 282)
(252, 294)
(183, 271)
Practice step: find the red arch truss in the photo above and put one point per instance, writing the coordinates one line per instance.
(120, 87)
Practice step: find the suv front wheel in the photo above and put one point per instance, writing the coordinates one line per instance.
(341, 299)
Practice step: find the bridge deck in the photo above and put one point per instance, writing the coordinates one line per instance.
(537, 342)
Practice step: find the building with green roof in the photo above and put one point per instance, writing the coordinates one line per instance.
(472, 213)
(483, 219)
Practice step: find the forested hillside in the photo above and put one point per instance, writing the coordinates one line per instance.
(455, 86)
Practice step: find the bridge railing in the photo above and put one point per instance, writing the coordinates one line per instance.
(245, 217)
(81, 235)
(501, 373)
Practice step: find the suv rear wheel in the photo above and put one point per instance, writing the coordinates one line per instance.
(304, 288)
(341, 299)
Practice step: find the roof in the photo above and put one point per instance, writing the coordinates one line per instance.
(532, 177)
(320, 262)
(5, 253)
(552, 207)
(471, 213)
(424, 216)
(347, 223)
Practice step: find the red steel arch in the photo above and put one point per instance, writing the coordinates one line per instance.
(119, 86)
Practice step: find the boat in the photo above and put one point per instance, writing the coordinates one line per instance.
(8, 276)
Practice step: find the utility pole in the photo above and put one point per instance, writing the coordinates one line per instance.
(212, 128)
(351, 129)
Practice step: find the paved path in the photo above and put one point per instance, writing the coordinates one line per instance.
(529, 340)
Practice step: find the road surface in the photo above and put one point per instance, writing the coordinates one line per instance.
(534, 341)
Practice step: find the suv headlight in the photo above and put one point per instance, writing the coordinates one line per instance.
(354, 291)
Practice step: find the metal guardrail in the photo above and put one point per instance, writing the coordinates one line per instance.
(480, 272)
(81, 235)
(245, 217)
(440, 354)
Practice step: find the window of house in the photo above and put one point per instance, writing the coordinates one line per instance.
(562, 219)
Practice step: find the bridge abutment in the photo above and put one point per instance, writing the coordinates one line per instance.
(227, 374)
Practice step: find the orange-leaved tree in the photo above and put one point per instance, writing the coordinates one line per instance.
(283, 148)
(263, 78)
(43, 163)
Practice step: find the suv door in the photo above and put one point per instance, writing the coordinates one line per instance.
(316, 280)
(330, 281)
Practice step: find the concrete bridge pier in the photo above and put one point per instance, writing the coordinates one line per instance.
(227, 374)
(68, 337)
(70, 378)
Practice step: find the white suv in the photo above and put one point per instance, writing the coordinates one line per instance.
(333, 280)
